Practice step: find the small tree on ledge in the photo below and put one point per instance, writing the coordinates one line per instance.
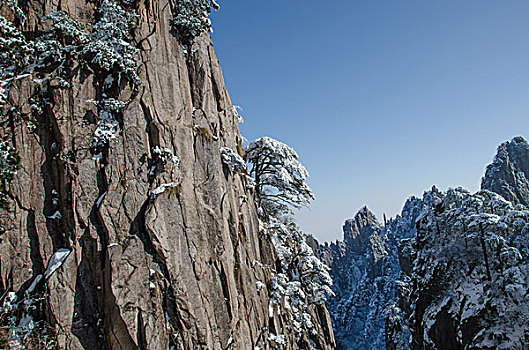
(279, 176)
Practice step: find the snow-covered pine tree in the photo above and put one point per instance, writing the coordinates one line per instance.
(191, 18)
(280, 178)
(301, 282)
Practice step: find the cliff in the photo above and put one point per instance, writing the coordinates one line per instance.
(123, 226)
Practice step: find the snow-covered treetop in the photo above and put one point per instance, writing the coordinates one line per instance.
(110, 41)
(279, 175)
(300, 279)
(191, 18)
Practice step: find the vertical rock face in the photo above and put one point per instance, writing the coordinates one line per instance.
(508, 175)
(164, 246)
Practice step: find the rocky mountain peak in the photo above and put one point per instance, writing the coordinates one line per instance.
(508, 174)
(358, 230)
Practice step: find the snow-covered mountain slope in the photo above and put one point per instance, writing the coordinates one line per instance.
(446, 273)
(358, 265)
(366, 273)
(470, 274)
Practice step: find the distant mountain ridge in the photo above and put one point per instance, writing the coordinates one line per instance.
(398, 286)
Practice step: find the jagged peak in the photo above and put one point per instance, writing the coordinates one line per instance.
(364, 212)
(358, 229)
(508, 174)
(510, 150)
(363, 218)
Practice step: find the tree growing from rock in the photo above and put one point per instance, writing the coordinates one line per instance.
(280, 178)
(301, 281)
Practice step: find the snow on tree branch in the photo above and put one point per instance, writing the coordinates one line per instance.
(9, 163)
(300, 279)
(110, 53)
(110, 45)
(15, 56)
(191, 18)
(279, 175)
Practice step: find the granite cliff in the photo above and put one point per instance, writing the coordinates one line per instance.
(123, 227)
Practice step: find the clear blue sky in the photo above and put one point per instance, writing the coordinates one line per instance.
(381, 99)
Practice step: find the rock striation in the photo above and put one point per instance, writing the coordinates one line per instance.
(158, 239)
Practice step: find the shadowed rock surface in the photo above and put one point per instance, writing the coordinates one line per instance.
(360, 266)
(371, 307)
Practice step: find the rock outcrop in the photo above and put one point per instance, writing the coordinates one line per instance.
(162, 237)
(508, 174)
(449, 272)
(464, 279)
